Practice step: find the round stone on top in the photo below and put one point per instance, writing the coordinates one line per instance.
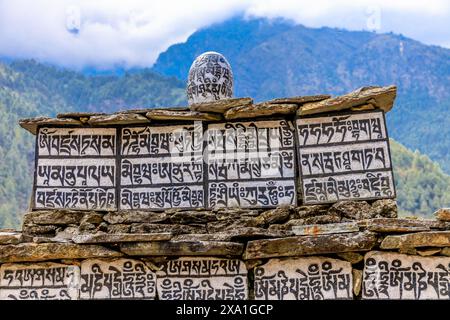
(210, 79)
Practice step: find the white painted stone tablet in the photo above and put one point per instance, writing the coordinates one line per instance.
(405, 277)
(203, 279)
(76, 169)
(39, 281)
(251, 164)
(116, 279)
(161, 167)
(310, 278)
(210, 79)
(344, 157)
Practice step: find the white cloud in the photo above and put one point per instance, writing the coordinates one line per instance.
(134, 32)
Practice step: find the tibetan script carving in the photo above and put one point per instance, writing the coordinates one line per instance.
(202, 279)
(251, 164)
(405, 277)
(161, 167)
(314, 278)
(344, 157)
(76, 169)
(39, 281)
(116, 279)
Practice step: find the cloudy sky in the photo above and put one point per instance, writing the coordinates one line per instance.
(103, 33)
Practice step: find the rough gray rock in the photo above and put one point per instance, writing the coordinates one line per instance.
(52, 251)
(380, 97)
(310, 245)
(182, 248)
(119, 217)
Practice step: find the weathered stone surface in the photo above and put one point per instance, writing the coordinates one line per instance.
(186, 217)
(54, 217)
(398, 276)
(388, 225)
(312, 210)
(276, 279)
(50, 240)
(143, 111)
(355, 210)
(134, 216)
(230, 224)
(428, 252)
(316, 229)
(234, 213)
(39, 281)
(213, 278)
(32, 124)
(260, 110)
(415, 240)
(36, 230)
(237, 234)
(278, 215)
(352, 257)
(10, 237)
(385, 208)
(182, 248)
(172, 228)
(310, 245)
(183, 115)
(92, 217)
(357, 281)
(52, 251)
(121, 237)
(300, 99)
(379, 97)
(364, 107)
(287, 226)
(325, 219)
(77, 115)
(220, 106)
(445, 251)
(118, 119)
(118, 228)
(116, 279)
(443, 214)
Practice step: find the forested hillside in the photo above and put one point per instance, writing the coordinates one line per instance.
(273, 58)
(29, 89)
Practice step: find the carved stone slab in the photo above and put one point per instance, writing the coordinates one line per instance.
(344, 157)
(203, 279)
(76, 169)
(315, 278)
(250, 164)
(39, 281)
(116, 279)
(405, 277)
(161, 167)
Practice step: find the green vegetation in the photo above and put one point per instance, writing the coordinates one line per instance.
(29, 89)
(422, 187)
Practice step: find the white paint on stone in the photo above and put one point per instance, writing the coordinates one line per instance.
(116, 279)
(311, 278)
(210, 79)
(78, 142)
(202, 279)
(397, 276)
(76, 172)
(39, 281)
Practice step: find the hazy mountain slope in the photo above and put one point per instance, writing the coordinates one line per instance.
(277, 58)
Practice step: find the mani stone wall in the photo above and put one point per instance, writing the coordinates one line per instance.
(291, 198)
(282, 259)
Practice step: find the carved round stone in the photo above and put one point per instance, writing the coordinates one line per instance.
(210, 79)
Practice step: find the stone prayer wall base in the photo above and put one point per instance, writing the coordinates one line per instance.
(226, 255)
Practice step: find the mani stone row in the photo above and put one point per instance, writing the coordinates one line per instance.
(366, 98)
(382, 275)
